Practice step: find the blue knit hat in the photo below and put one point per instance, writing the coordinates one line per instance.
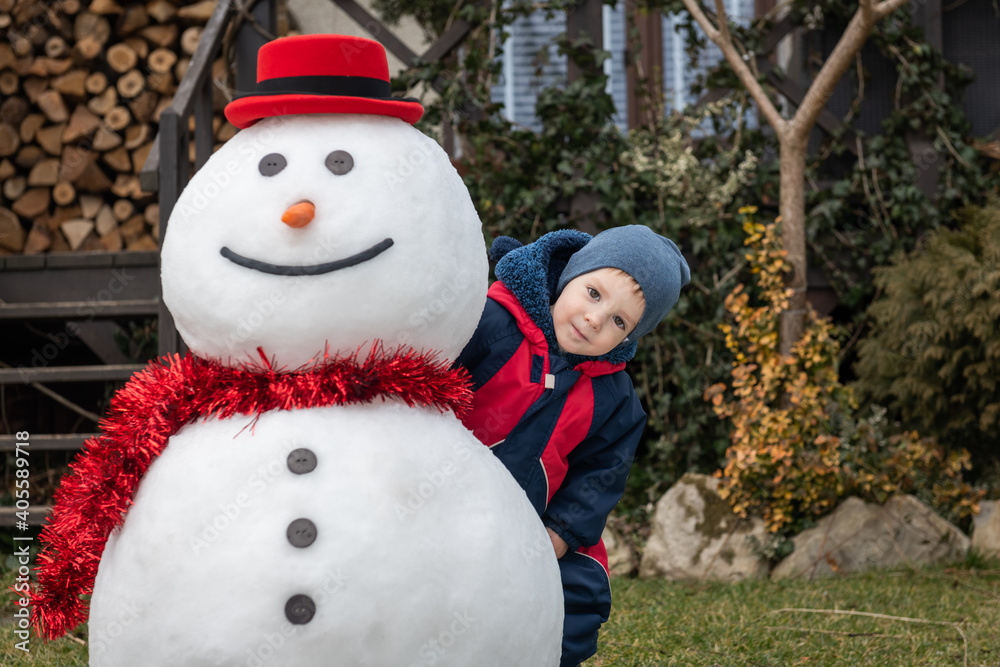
(654, 261)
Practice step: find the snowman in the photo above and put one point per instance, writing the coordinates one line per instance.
(298, 490)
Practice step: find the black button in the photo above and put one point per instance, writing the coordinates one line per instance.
(301, 461)
(272, 164)
(339, 162)
(301, 533)
(300, 609)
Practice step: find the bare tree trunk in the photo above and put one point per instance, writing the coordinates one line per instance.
(792, 207)
(793, 134)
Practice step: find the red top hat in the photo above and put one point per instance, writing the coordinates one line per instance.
(321, 74)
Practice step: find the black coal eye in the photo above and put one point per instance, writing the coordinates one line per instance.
(272, 164)
(339, 162)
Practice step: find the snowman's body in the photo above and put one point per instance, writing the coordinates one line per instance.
(418, 551)
(411, 544)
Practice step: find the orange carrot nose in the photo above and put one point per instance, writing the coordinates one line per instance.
(299, 215)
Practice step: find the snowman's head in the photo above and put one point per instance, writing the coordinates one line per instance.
(309, 232)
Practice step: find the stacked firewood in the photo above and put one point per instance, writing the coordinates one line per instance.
(82, 85)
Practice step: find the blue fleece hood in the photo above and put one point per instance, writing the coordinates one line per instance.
(531, 272)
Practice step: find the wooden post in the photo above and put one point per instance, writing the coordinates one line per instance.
(203, 133)
(249, 41)
(927, 15)
(585, 19)
(173, 153)
(644, 70)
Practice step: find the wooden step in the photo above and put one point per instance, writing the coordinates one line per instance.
(36, 516)
(79, 309)
(80, 260)
(111, 372)
(47, 442)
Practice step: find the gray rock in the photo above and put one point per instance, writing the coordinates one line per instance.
(986, 531)
(621, 558)
(861, 536)
(696, 536)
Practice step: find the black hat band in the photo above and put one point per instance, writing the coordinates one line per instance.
(336, 86)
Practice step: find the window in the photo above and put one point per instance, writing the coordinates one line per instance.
(532, 62)
(678, 75)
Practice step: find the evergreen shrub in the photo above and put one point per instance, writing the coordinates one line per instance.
(933, 356)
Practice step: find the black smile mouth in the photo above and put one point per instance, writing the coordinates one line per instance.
(309, 270)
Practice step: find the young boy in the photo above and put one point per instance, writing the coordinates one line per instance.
(552, 399)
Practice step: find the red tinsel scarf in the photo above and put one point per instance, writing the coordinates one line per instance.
(93, 498)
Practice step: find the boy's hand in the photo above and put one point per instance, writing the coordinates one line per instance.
(558, 543)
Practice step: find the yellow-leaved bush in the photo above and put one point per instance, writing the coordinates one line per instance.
(783, 464)
(796, 446)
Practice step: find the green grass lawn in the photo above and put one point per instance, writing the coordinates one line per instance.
(951, 612)
(788, 623)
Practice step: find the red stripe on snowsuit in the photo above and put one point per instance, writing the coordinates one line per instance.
(570, 430)
(498, 406)
(500, 403)
(599, 553)
(573, 425)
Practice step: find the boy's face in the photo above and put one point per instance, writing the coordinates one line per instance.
(595, 312)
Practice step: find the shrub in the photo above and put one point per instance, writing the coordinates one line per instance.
(783, 462)
(880, 465)
(933, 357)
(797, 444)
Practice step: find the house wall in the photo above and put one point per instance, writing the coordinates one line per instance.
(324, 16)
(970, 34)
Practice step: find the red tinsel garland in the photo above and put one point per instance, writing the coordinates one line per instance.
(93, 498)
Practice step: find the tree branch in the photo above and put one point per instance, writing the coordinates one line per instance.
(724, 41)
(720, 15)
(850, 43)
(887, 7)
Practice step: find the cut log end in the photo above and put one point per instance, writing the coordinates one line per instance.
(63, 193)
